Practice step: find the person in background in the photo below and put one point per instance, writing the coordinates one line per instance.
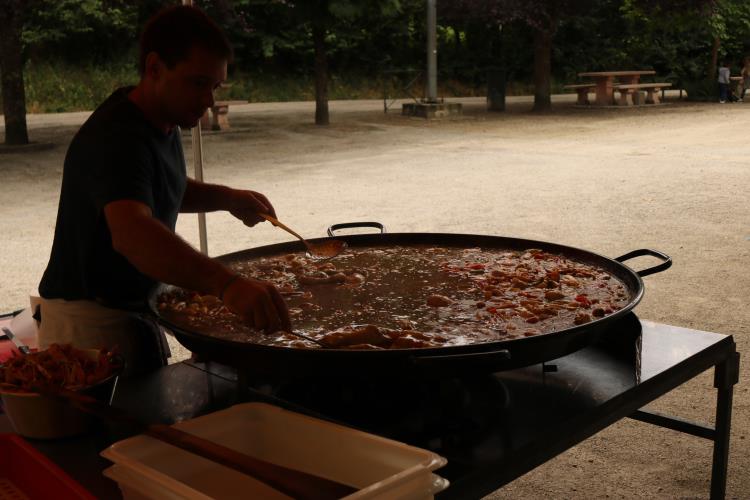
(723, 82)
(124, 183)
(745, 74)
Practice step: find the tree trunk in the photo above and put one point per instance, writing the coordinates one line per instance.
(712, 67)
(11, 72)
(542, 69)
(321, 75)
(457, 39)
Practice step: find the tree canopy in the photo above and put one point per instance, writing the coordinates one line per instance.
(539, 42)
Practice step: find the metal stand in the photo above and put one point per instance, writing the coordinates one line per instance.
(507, 446)
(243, 385)
(726, 376)
(396, 92)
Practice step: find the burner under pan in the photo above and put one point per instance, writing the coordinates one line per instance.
(455, 414)
(420, 411)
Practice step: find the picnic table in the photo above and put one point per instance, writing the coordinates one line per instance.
(219, 119)
(605, 82)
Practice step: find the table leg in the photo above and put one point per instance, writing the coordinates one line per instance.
(583, 97)
(604, 92)
(220, 117)
(726, 376)
(205, 121)
(652, 96)
(632, 80)
(626, 97)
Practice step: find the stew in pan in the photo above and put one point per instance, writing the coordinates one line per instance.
(413, 296)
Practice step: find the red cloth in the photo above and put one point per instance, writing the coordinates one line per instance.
(7, 348)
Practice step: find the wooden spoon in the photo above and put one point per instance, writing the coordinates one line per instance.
(319, 251)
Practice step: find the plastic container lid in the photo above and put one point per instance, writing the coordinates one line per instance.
(379, 467)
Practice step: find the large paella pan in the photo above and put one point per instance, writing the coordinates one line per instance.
(415, 303)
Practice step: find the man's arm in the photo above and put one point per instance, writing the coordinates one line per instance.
(162, 255)
(243, 204)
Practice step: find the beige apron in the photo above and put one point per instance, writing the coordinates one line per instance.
(89, 325)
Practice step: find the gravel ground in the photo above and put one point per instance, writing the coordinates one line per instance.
(674, 178)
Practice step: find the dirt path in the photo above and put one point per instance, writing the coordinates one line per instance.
(675, 178)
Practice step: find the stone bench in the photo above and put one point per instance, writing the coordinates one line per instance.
(583, 90)
(652, 92)
(219, 115)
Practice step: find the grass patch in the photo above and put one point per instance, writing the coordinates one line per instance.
(57, 87)
(53, 87)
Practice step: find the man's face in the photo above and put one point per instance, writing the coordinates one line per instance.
(187, 90)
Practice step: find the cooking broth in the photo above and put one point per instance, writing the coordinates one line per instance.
(413, 296)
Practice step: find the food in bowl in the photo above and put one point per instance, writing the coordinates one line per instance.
(60, 365)
(41, 416)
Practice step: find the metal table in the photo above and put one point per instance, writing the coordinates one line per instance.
(587, 391)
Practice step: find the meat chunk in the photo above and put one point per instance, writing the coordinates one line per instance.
(439, 301)
(411, 342)
(554, 295)
(321, 278)
(582, 318)
(410, 339)
(350, 336)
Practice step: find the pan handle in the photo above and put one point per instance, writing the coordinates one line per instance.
(651, 270)
(475, 359)
(347, 225)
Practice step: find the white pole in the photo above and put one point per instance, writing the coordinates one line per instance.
(198, 166)
(198, 163)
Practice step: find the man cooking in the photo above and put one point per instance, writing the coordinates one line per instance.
(124, 182)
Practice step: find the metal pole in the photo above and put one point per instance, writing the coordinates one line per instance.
(198, 166)
(431, 51)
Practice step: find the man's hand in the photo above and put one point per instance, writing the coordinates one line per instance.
(259, 304)
(243, 204)
(246, 205)
(159, 253)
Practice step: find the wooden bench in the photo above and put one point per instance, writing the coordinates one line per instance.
(583, 90)
(652, 92)
(219, 115)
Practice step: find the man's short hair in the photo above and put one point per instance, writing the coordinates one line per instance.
(173, 31)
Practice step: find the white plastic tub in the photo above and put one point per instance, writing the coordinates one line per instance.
(380, 468)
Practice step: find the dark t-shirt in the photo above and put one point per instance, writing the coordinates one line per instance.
(116, 155)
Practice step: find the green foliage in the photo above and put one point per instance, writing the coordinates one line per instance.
(73, 29)
(56, 20)
(702, 90)
(277, 33)
(80, 49)
(61, 87)
(733, 27)
(55, 87)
